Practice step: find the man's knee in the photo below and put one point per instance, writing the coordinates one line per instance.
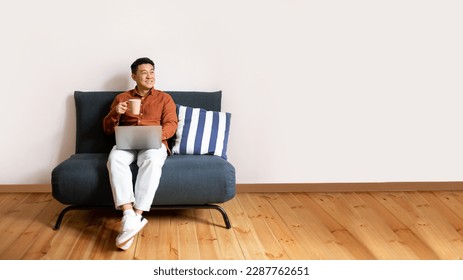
(152, 157)
(120, 157)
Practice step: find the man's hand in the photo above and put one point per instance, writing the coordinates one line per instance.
(121, 108)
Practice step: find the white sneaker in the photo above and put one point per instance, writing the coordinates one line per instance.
(131, 225)
(127, 244)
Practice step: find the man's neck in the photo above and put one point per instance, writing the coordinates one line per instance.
(143, 92)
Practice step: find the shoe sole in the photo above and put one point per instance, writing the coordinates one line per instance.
(129, 237)
(127, 245)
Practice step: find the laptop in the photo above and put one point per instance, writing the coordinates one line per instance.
(138, 137)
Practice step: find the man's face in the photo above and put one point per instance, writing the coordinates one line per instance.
(144, 77)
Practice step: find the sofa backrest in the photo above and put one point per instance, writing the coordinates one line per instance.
(92, 107)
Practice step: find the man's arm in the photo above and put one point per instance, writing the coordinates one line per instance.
(111, 119)
(169, 119)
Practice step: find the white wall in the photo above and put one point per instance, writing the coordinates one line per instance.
(320, 91)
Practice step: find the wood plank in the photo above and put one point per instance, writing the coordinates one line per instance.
(245, 232)
(455, 219)
(453, 200)
(309, 230)
(39, 231)
(20, 216)
(229, 245)
(366, 225)
(449, 243)
(209, 248)
(98, 237)
(5, 198)
(350, 242)
(425, 222)
(374, 225)
(8, 206)
(62, 243)
(408, 237)
(270, 243)
(160, 233)
(276, 224)
(105, 243)
(186, 233)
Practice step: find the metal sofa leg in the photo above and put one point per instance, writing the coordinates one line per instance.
(206, 206)
(224, 215)
(62, 213)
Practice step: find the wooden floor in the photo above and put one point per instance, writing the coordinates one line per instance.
(309, 226)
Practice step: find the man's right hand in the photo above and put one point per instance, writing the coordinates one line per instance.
(122, 107)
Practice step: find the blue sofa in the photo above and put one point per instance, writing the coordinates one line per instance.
(188, 181)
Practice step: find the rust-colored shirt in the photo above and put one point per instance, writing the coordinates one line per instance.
(157, 108)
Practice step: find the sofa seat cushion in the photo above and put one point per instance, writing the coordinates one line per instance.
(195, 179)
(83, 179)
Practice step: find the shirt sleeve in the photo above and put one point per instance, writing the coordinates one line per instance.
(111, 119)
(169, 120)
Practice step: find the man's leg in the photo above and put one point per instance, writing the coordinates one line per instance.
(150, 163)
(120, 177)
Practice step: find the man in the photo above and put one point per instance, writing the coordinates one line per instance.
(157, 108)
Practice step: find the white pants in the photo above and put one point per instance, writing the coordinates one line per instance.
(149, 163)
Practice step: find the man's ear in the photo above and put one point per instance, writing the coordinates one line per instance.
(133, 77)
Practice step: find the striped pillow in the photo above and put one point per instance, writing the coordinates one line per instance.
(201, 132)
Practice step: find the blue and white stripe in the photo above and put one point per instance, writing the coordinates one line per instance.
(201, 132)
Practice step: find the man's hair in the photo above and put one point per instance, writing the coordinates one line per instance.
(140, 61)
